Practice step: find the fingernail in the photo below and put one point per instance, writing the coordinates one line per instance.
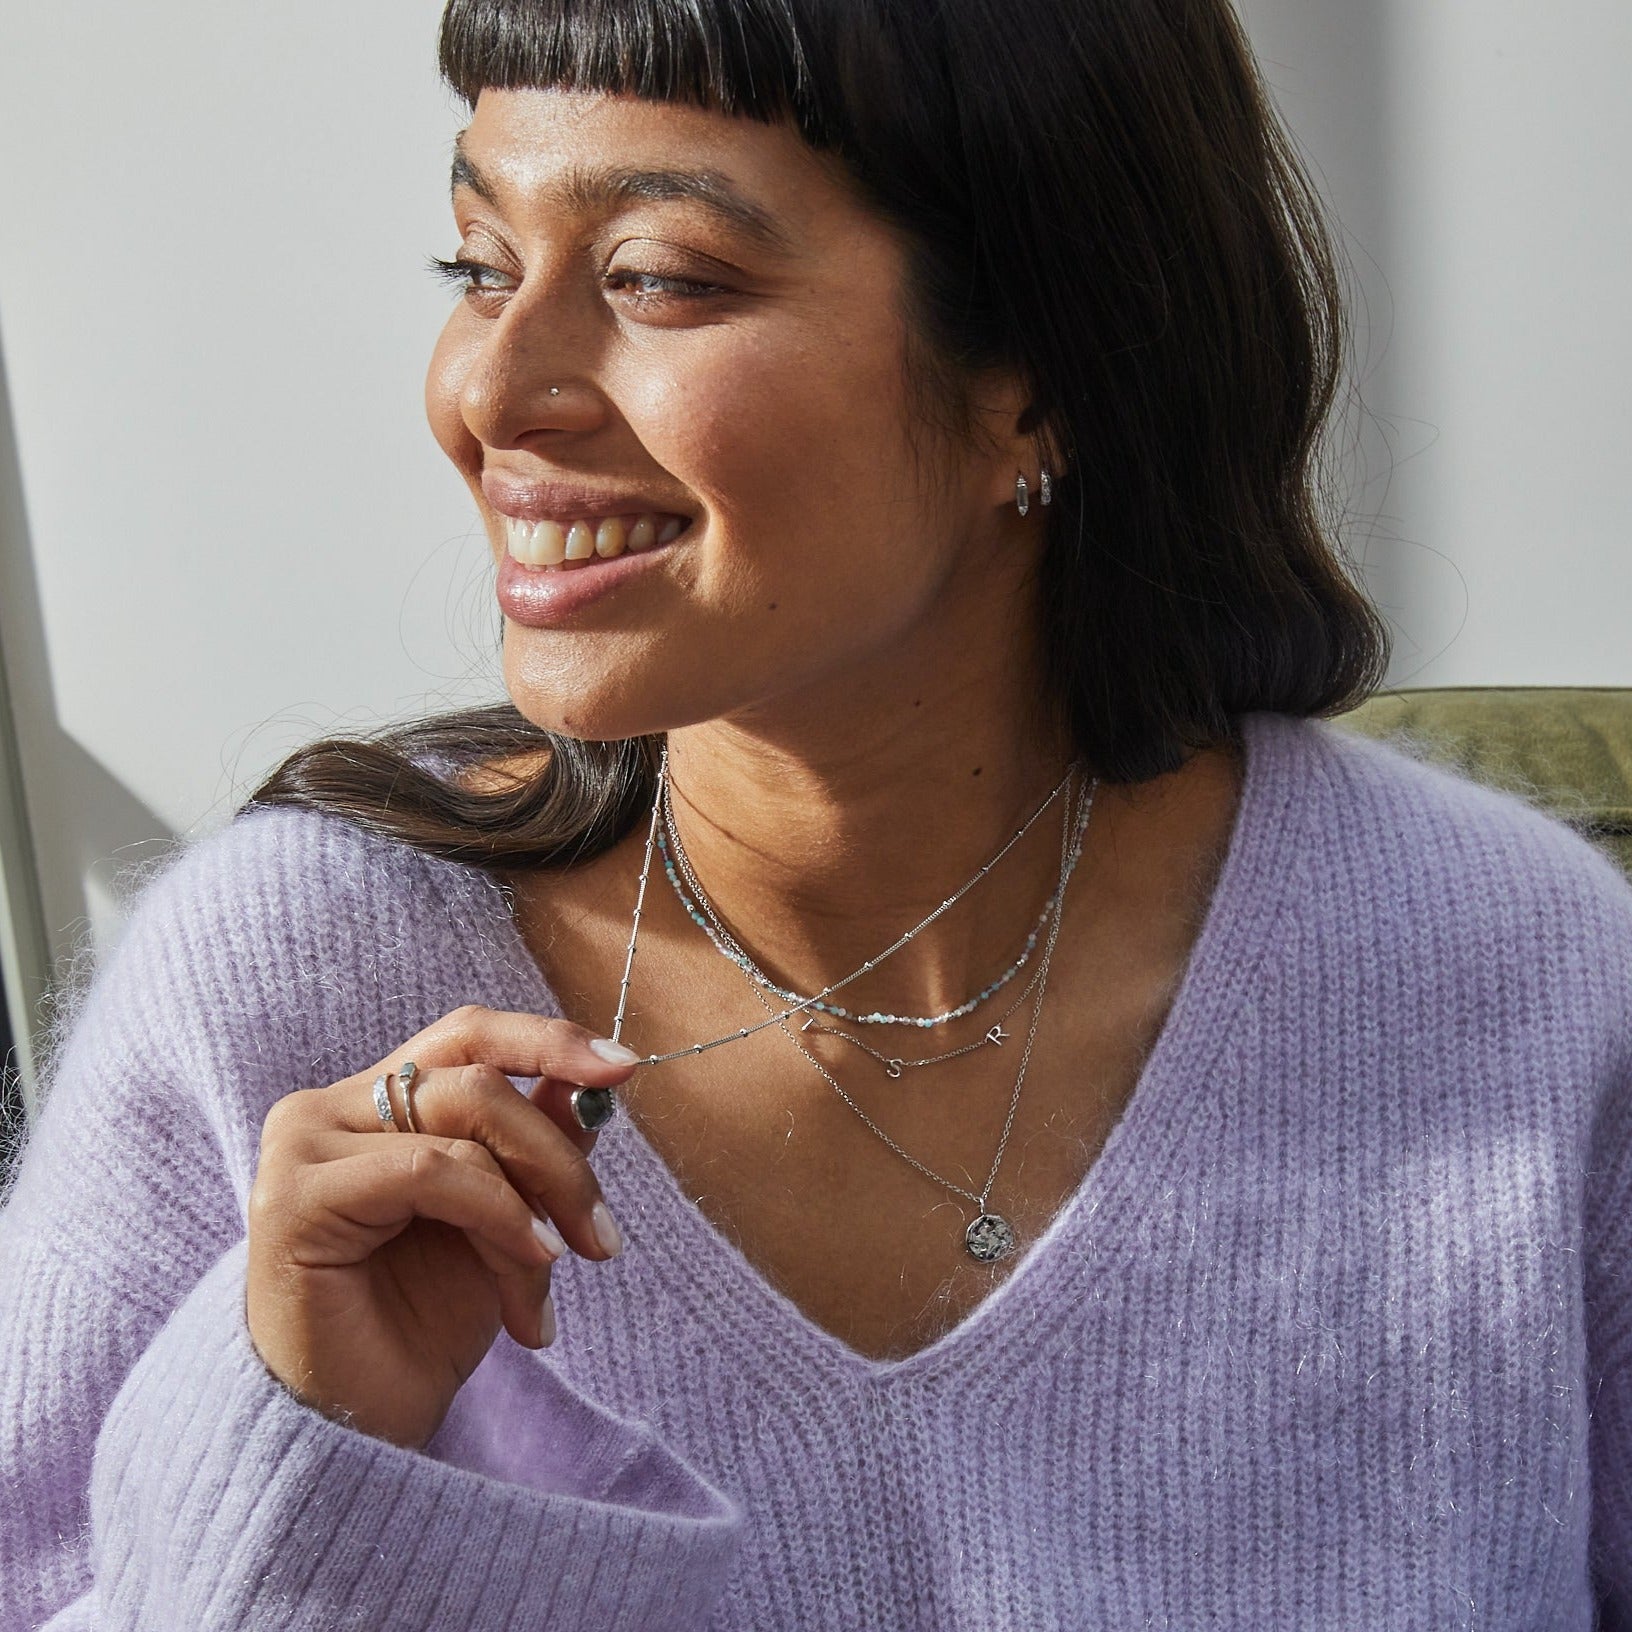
(613, 1053)
(552, 1243)
(606, 1230)
(546, 1321)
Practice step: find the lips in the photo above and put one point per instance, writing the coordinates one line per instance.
(564, 501)
(554, 597)
(571, 543)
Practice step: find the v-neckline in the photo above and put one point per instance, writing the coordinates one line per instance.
(1139, 1151)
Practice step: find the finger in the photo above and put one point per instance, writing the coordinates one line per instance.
(520, 1045)
(333, 1145)
(522, 1289)
(478, 1155)
(346, 1209)
(534, 1154)
(521, 1294)
(527, 1309)
(524, 1295)
(554, 1098)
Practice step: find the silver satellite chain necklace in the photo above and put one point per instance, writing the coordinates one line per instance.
(1071, 852)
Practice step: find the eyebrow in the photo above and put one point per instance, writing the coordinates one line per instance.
(588, 187)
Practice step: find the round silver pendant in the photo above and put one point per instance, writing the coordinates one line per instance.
(989, 1238)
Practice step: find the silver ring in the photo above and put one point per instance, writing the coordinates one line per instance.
(382, 1104)
(405, 1081)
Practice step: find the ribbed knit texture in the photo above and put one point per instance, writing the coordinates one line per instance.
(1336, 1333)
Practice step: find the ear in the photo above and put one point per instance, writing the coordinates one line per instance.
(1013, 435)
(1045, 443)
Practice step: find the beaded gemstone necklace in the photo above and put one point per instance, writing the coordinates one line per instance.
(701, 911)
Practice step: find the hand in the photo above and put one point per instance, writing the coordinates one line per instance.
(381, 1264)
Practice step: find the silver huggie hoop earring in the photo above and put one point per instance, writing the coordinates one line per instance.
(1022, 496)
(1045, 487)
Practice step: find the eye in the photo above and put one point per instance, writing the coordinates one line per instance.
(665, 288)
(644, 288)
(473, 277)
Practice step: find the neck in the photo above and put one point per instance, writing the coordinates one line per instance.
(819, 854)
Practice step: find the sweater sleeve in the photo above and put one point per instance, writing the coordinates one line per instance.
(1608, 1270)
(153, 1472)
(1605, 922)
(219, 1500)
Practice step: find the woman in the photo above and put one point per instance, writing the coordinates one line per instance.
(1119, 1152)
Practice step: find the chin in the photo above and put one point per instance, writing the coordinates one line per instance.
(602, 704)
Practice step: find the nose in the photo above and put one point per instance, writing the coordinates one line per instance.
(526, 378)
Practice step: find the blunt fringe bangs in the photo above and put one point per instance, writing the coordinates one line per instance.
(1097, 194)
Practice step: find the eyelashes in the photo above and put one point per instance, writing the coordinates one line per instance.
(681, 288)
(463, 274)
(469, 277)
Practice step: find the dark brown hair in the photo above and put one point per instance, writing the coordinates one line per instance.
(1095, 193)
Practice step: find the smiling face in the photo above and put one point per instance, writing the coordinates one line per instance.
(723, 326)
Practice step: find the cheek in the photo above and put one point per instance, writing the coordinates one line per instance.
(795, 445)
(444, 389)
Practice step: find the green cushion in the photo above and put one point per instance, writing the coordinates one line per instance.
(1567, 748)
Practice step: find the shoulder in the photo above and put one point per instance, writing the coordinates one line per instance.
(1395, 802)
(1477, 885)
(301, 932)
(286, 950)
(293, 884)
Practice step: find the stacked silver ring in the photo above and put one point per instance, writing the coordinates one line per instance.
(382, 1097)
(405, 1079)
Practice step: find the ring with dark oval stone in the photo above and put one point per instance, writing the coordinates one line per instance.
(593, 1108)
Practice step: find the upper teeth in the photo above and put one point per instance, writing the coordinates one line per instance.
(549, 543)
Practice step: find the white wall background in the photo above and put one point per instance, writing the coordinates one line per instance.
(1477, 154)
(224, 527)
(235, 531)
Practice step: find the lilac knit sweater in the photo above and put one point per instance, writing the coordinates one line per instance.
(1337, 1332)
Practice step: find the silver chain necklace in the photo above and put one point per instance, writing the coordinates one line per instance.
(1071, 852)
(593, 1108)
(709, 921)
(989, 1236)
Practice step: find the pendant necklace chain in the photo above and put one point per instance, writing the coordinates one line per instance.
(990, 1236)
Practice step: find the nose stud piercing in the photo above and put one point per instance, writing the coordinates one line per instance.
(555, 390)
